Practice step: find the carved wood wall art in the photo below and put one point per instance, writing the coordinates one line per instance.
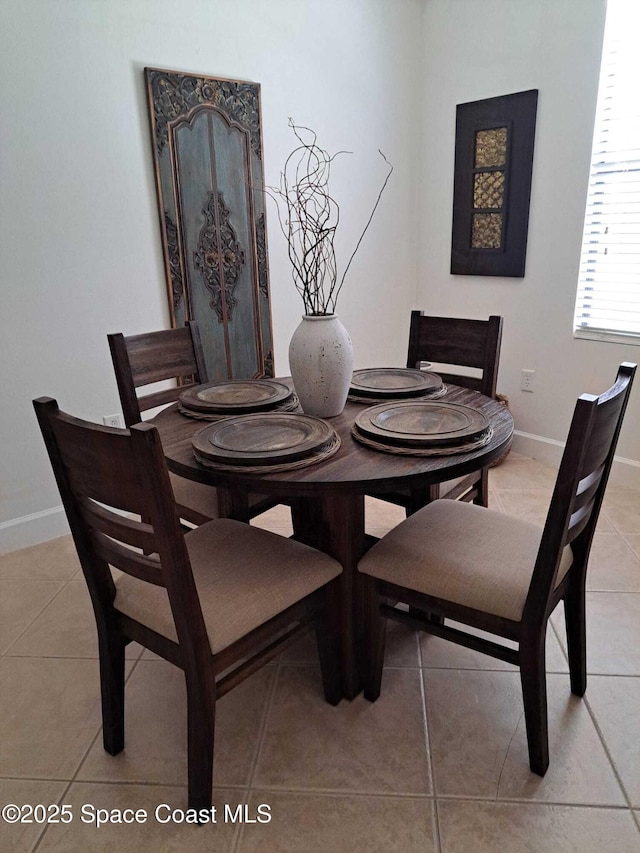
(492, 184)
(207, 151)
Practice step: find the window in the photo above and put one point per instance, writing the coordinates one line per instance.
(608, 298)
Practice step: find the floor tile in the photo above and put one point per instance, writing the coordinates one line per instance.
(529, 504)
(527, 828)
(613, 566)
(49, 714)
(401, 648)
(442, 654)
(615, 703)
(320, 824)
(613, 632)
(277, 519)
(21, 837)
(623, 510)
(156, 730)
(494, 501)
(20, 604)
(533, 505)
(479, 746)
(357, 746)
(66, 628)
(53, 560)
(153, 835)
(633, 541)
(516, 471)
(382, 516)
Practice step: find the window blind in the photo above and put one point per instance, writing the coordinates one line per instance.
(608, 295)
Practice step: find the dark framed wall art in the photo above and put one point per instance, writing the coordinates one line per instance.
(207, 152)
(492, 184)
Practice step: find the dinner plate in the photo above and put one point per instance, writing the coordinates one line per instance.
(393, 382)
(422, 422)
(262, 439)
(235, 396)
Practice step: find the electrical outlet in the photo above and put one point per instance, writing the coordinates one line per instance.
(112, 420)
(527, 378)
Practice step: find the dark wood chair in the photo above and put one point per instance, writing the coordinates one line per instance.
(499, 573)
(169, 354)
(454, 342)
(218, 601)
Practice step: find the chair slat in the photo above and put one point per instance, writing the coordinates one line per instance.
(145, 568)
(119, 527)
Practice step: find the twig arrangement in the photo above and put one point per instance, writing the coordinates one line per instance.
(312, 217)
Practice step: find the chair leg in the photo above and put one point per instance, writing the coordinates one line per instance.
(534, 694)
(375, 627)
(419, 498)
(112, 647)
(574, 614)
(327, 629)
(201, 716)
(482, 498)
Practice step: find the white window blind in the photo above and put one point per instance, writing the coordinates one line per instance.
(608, 297)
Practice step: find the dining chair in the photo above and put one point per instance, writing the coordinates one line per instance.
(462, 343)
(169, 354)
(218, 601)
(499, 573)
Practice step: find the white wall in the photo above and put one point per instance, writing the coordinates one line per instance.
(80, 250)
(476, 49)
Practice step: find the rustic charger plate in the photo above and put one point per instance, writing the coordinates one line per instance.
(422, 422)
(393, 382)
(425, 450)
(235, 396)
(262, 439)
(289, 405)
(369, 401)
(312, 458)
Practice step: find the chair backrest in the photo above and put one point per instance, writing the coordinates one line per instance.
(458, 342)
(102, 473)
(580, 486)
(153, 357)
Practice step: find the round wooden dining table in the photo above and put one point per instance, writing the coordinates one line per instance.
(327, 498)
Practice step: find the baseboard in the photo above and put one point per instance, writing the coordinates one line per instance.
(625, 473)
(32, 529)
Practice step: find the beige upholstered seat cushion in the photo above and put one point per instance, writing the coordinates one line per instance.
(462, 553)
(244, 577)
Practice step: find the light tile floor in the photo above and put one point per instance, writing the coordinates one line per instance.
(439, 763)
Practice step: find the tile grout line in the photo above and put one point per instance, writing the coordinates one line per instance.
(600, 733)
(36, 617)
(427, 742)
(258, 750)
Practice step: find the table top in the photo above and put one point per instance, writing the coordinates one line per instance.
(354, 468)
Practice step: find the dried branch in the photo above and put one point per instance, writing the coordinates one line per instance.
(311, 219)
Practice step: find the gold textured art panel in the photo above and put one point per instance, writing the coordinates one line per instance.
(491, 147)
(486, 231)
(488, 190)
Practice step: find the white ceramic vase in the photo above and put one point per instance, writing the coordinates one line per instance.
(321, 364)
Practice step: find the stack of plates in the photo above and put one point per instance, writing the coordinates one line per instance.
(234, 397)
(261, 443)
(422, 428)
(377, 384)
